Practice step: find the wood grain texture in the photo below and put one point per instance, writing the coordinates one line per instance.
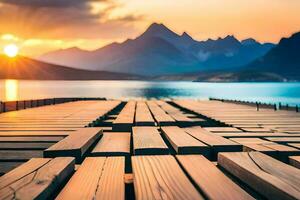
(25, 169)
(113, 144)
(125, 119)
(97, 178)
(216, 142)
(25, 145)
(39, 183)
(147, 141)
(176, 114)
(160, 116)
(295, 161)
(210, 179)
(269, 177)
(160, 177)
(31, 139)
(143, 115)
(74, 145)
(184, 143)
(20, 155)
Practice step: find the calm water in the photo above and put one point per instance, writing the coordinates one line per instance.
(264, 92)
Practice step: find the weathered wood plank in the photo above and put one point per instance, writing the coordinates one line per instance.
(295, 161)
(296, 145)
(284, 139)
(125, 119)
(184, 143)
(74, 145)
(160, 177)
(148, 141)
(37, 182)
(24, 145)
(223, 129)
(35, 133)
(210, 179)
(176, 114)
(30, 139)
(269, 177)
(19, 155)
(160, 116)
(216, 142)
(20, 172)
(97, 178)
(8, 166)
(113, 144)
(143, 116)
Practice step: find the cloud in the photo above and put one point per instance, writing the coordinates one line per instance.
(64, 19)
(49, 3)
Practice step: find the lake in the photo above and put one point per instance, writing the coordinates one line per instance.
(286, 93)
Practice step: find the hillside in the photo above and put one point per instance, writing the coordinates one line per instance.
(26, 68)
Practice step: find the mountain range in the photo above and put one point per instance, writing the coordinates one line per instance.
(283, 59)
(161, 54)
(160, 51)
(26, 68)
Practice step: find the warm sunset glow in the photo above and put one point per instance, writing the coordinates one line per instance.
(11, 90)
(11, 50)
(92, 24)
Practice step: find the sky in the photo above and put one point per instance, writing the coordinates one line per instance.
(40, 26)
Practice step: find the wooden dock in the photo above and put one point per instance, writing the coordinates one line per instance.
(149, 149)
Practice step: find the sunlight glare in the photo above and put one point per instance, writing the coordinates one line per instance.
(11, 90)
(11, 50)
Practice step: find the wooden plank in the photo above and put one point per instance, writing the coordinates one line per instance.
(210, 179)
(24, 145)
(19, 155)
(296, 145)
(256, 144)
(148, 141)
(257, 130)
(284, 139)
(216, 142)
(125, 119)
(143, 116)
(113, 144)
(160, 177)
(75, 145)
(37, 183)
(223, 129)
(269, 177)
(8, 166)
(184, 143)
(30, 139)
(25, 169)
(160, 116)
(176, 114)
(256, 135)
(283, 150)
(295, 161)
(97, 178)
(35, 133)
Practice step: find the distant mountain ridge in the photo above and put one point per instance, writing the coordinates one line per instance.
(283, 59)
(29, 69)
(160, 51)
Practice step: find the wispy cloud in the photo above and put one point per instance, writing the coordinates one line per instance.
(64, 19)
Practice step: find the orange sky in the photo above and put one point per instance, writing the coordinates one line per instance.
(37, 26)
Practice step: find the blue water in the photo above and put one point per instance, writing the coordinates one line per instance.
(286, 93)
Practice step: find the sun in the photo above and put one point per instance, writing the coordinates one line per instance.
(11, 50)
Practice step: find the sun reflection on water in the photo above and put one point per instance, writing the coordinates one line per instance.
(11, 90)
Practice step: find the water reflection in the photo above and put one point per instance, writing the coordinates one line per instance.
(11, 90)
(264, 92)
